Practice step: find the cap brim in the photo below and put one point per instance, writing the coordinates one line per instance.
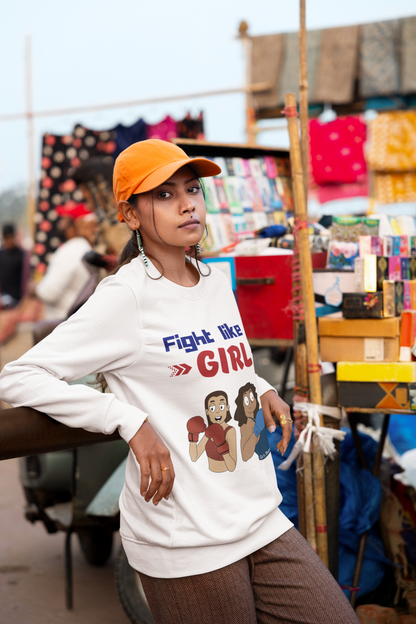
(202, 167)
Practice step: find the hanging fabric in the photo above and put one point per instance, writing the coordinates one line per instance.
(166, 130)
(336, 148)
(392, 142)
(126, 135)
(267, 53)
(379, 58)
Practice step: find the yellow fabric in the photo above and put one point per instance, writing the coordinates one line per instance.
(391, 188)
(400, 372)
(393, 142)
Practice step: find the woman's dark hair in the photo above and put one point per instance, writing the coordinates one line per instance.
(216, 394)
(240, 415)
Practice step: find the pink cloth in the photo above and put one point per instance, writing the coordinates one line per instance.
(330, 192)
(337, 153)
(164, 130)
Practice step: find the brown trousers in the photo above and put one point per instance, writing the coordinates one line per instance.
(283, 582)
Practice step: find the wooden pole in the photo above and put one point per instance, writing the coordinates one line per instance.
(251, 131)
(310, 319)
(31, 140)
(303, 94)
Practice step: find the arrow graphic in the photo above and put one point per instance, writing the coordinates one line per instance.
(179, 369)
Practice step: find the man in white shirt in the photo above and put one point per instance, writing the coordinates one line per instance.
(67, 274)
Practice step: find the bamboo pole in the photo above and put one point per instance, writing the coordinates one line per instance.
(31, 140)
(303, 94)
(251, 129)
(310, 319)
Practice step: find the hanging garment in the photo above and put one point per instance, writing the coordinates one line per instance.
(289, 79)
(391, 188)
(165, 130)
(331, 192)
(126, 135)
(392, 145)
(337, 66)
(267, 52)
(190, 128)
(61, 155)
(379, 59)
(337, 154)
(408, 54)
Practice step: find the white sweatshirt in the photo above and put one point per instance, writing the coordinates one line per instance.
(164, 349)
(65, 278)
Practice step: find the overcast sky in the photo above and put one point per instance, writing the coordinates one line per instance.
(87, 52)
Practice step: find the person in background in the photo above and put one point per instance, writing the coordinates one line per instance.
(11, 268)
(67, 274)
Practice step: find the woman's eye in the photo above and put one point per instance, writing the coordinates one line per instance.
(251, 397)
(212, 408)
(246, 401)
(164, 194)
(222, 407)
(194, 189)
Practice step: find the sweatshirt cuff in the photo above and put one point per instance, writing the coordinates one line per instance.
(263, 386)
(124, 417)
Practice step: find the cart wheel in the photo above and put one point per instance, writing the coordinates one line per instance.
(96, 544)
(130, 592)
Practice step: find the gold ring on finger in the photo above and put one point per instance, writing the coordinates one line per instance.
(166, 468)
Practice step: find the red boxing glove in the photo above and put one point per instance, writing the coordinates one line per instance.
(217, 434)
(195, 426)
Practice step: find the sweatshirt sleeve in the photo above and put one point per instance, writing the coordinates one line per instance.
(103, 336)
(263, 386)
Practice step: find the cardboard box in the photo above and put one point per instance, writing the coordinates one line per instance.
(363, 328)
(338, 349)
(329, 286)
(363, 305)
(359, 340)
(407, 335)
(377, 395)
(394, 372)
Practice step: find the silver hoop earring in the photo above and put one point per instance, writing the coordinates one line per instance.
(140, 246)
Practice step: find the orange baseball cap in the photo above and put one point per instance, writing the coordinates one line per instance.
(145, 165)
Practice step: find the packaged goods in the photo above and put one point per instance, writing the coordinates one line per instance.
(388, 396)
(396, 372)
(362, 305)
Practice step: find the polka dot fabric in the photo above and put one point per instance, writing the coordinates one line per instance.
(337, 154)
(61, 155)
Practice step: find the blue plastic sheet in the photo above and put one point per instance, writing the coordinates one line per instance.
(360, 498)
(402, 432)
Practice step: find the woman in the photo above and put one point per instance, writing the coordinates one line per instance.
(219, 441)
(250, 418)
(208, 547)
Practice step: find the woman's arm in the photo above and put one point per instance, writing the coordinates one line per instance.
(104, 335)
(230, 459)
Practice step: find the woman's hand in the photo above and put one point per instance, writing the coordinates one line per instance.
(273, 406)
(155, 462)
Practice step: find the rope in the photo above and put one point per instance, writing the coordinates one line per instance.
(290, 111)
(325, 435)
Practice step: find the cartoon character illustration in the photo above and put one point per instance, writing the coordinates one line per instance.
(219, 441)
(250, 418)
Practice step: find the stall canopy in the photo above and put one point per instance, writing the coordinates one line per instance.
(352, 67)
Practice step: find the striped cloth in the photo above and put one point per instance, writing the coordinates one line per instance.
(379, 59)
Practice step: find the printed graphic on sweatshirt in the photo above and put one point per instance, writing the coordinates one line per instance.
(219, 439)
(249, 416)
(214, 356)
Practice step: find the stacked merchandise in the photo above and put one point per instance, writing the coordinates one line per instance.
(61, 155)
(374, 343)
(249, 195)
(392, 156)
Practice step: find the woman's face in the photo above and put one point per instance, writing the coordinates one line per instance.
(249, 403)
(177, 217)
(217, 409)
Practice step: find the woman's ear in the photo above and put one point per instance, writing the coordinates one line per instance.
(129, 214)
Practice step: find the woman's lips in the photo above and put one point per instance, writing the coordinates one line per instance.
(190, 224)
